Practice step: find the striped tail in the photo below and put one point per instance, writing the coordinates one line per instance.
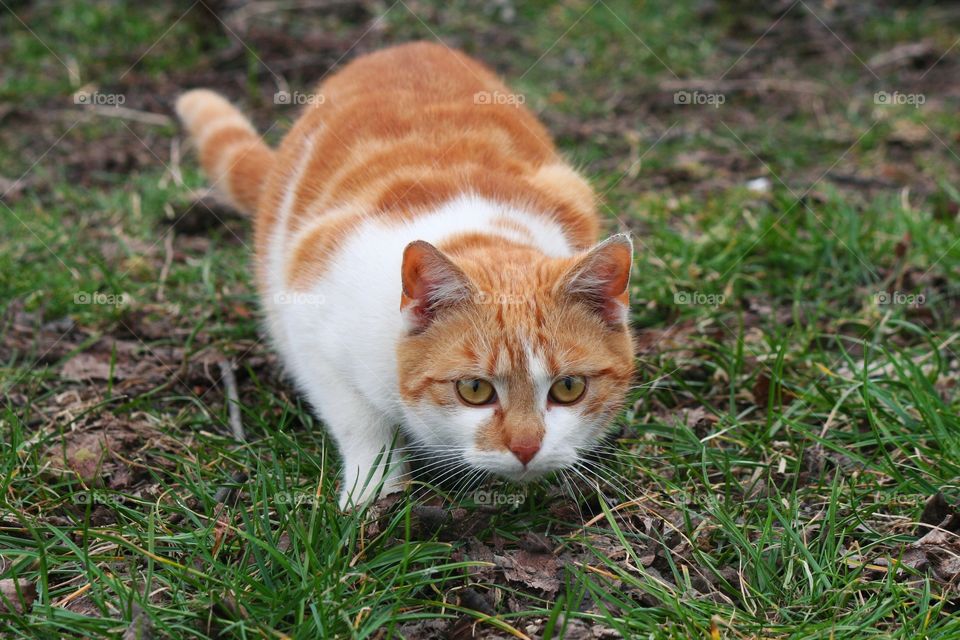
(232, 155)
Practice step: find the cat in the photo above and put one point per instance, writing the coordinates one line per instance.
(427, 264)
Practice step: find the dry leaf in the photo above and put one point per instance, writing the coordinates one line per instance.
(86, 366)
(534, 570)
(17, 595)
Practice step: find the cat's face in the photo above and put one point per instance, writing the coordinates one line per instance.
(511, 366)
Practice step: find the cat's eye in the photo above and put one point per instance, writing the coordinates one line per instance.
(568, 389)
(476, 392)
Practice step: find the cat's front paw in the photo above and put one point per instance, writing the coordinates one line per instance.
(353, 497)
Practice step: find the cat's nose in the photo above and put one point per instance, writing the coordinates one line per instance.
(525, 450)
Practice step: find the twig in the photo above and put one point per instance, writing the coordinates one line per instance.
(908, 52)
(175, 172)
(233, 400)
(133, 115)
(776, 85)
(167, 261)
(140, 626)
(861, 181)
(224, 493)
(88, 113)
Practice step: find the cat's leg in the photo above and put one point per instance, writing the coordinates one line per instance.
(364, 465)
(366, 440)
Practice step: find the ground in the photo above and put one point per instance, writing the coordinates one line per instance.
(789, 460)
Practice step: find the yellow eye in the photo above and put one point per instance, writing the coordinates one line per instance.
(568, 389)
(476, 391)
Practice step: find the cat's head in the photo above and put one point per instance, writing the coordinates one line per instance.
(513, 362)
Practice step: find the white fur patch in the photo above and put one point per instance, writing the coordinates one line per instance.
(339, 336)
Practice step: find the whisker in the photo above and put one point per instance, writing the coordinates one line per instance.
(617, 451)
(472, 481)
(591, 484)
(452, 471)
(608, 476)
(571, 487)
(600, 466)
(433, 459)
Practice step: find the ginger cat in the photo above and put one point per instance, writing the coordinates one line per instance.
(425, 260)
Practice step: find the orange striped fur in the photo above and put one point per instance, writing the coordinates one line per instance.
(390, 141)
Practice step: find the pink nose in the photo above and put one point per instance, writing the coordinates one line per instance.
(525, 451)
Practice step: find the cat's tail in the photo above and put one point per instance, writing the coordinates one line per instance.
(234, 157)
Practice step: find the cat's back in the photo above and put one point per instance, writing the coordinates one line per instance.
(397, 134)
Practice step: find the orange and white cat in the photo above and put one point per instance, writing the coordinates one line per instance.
(427, 266)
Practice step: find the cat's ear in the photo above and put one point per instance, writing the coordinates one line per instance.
(431, 283)
(601, 279)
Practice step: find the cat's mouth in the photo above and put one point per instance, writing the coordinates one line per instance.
(444, 470)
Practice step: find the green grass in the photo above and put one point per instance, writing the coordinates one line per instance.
(784, 434)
